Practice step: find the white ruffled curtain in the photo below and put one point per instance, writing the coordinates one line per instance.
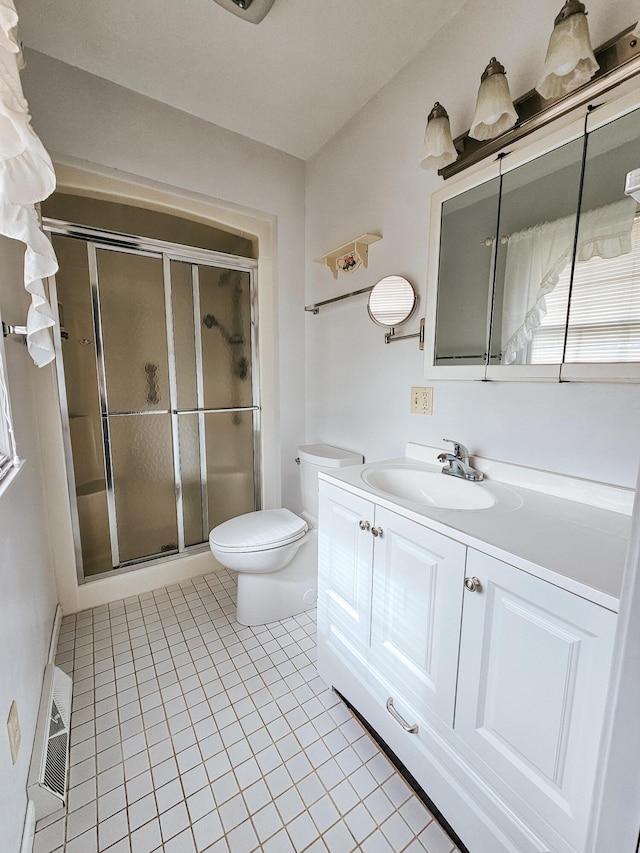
(536, 258)
(26, 178)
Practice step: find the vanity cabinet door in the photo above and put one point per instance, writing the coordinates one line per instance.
(345, 557)
(534, 666)
(418, 579)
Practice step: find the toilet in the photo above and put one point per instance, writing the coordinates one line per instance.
(275, 551)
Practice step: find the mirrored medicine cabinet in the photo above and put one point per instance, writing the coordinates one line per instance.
(534, 259)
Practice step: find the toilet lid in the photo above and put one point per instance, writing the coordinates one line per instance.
(258, 531)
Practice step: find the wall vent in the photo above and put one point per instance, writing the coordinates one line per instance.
(47, 785)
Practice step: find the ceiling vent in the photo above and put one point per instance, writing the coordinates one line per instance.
(249, 10)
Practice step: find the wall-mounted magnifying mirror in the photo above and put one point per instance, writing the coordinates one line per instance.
(392, 301)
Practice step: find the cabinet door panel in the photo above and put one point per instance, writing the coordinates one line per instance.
(534, 663)
(345, 554)
(415, 621)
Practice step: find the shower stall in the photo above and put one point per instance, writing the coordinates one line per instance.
(159, 392)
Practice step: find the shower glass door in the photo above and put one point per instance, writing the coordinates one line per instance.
(136, 405)
(174, 402)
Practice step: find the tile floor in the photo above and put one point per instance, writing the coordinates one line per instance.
(193, 733)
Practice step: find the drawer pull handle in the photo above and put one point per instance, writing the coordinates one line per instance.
(473, 584)
(396, 716)
(364, 525)
(376, 531)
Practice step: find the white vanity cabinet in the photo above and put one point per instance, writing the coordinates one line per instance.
(391, 597)
(497, 677)
(532, 679)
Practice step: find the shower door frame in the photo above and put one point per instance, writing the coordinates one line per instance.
(96, 238)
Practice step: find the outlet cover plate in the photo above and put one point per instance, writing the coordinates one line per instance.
(421, 401)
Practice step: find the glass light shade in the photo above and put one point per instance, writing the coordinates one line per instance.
(438, 149)
(495, 112)
(570, 61)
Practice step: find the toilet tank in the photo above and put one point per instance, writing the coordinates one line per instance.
(315, 458)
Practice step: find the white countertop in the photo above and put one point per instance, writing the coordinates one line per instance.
(575, 545)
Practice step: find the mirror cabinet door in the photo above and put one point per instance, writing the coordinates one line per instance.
(465, 277)
(604, 313)
(536, 235)
(538, 275)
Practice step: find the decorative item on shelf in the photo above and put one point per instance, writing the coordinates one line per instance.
(494, 112)
(570, 61)
(349, 262)
(351, 256)
(438, 149)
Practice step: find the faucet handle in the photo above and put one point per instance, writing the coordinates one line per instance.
(459, 450)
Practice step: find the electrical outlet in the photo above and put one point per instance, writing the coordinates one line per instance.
(13, 728)
(421, 401)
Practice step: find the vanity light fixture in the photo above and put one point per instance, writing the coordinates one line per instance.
(494, 108)
(495, 112)
(618, 60)
(570, 61)
(438, 149)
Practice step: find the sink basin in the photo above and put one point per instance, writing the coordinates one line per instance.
(430, 488)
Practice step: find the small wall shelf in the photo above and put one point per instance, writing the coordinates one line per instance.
(349, 257)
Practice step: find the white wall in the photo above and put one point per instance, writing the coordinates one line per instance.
(122, 139)
(367, 179)
(27, 590)
(83, 117)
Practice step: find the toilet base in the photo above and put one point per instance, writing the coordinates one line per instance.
(271, 596)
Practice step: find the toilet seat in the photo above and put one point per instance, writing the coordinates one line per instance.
(258, 531)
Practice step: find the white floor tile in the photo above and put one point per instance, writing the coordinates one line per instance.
(142, 812)
(267, 822)
(435, 840)
(174, 821)
(193, 734)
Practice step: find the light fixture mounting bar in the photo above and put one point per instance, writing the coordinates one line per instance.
(619, 60)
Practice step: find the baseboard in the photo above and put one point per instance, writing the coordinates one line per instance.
(29, 831)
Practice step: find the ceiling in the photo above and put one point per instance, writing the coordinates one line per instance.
(290, 82)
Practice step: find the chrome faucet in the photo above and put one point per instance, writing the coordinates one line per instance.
(458, 462)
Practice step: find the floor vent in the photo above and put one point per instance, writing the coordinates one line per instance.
(50, 760)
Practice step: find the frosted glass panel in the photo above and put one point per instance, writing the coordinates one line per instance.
(210, 335)
(144, 485)
(225, 325)
(76, 319)
(184, 334)
(79, 364)
(230, 485)
(134, 331)
(189, 444)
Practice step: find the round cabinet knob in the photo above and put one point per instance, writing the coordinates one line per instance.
(364, 525)
(376, 531)
(473, 584)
